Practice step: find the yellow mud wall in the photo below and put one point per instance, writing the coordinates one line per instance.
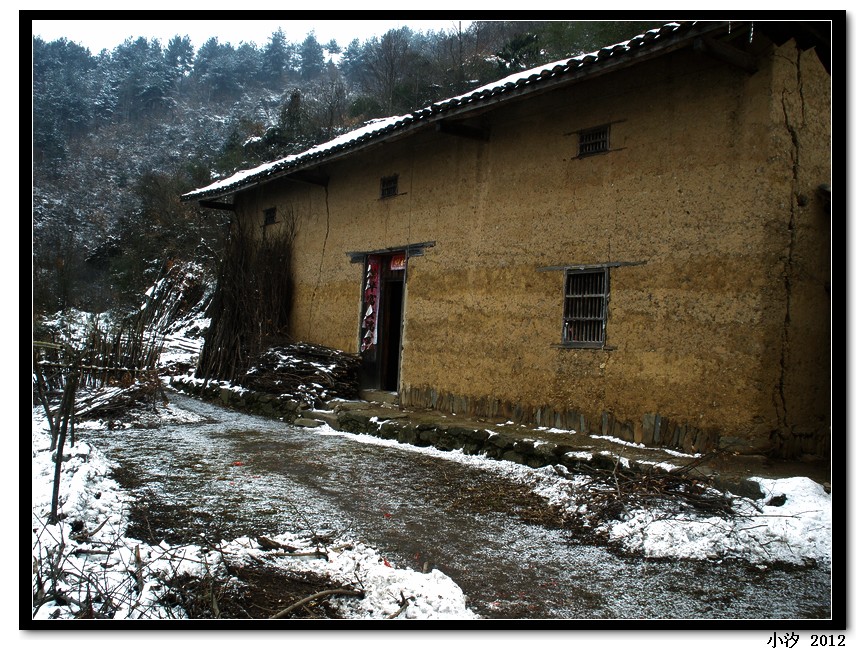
(695, 197)
(802, 395)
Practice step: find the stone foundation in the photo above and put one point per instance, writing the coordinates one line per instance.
(243, 400)
(654, 430)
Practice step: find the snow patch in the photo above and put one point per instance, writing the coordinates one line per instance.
(112, 562)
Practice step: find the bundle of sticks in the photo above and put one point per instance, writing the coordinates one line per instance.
(312, 373)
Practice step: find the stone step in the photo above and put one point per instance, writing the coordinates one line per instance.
(308, 423)
(328, 417)
(381, 396)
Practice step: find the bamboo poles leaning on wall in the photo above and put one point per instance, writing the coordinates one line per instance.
(251, 304)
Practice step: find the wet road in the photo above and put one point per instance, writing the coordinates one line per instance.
(236, 474)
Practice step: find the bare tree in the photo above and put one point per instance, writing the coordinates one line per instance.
(329, 98)
(388, 60)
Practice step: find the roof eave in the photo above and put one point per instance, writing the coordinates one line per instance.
(576, 70)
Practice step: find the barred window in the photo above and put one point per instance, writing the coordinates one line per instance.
(585, 309)
(389, 186)
(594, 141)
(269, 216)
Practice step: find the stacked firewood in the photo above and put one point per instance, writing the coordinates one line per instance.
(311, 373)
(114, 402)
(614, 494)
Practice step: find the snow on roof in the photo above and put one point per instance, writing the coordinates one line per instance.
(380, 127)
(371, 127)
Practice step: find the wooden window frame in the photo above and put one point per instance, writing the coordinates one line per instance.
(269, 217)
(585, 308)
(389, 186)
(589, 139)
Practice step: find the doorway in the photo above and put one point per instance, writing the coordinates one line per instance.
(381, 321)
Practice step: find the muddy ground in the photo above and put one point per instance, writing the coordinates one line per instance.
(513, 555)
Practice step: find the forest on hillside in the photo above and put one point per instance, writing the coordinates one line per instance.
(119, 135)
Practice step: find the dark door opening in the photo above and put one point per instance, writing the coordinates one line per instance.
(381, 321)
(391, 330)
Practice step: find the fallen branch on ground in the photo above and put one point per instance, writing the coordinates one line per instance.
(321, 594)
(404, 603)
(615, 493)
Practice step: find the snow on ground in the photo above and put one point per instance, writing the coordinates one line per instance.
(791, 524)
(97, 558)
(797, 531)
(183, 345)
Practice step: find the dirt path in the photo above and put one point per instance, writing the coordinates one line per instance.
(236, 475)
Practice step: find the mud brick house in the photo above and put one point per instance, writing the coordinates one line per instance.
(633, 242)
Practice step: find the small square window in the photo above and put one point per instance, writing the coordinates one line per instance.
(269, 216)
(585, 310)
(389, 186)
(594, 141)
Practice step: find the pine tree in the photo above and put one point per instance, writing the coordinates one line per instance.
(145, 77)
(352, 63)
(179, 55)
(63, 91)
(311, 58)
(275, 58)
(218, 71)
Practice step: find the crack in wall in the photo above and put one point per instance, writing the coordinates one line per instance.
(791, 226)
(321, 261)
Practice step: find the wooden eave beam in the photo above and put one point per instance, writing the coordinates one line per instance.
(311, 177)
(411, 250)
(217, 205)
(462, 130)
(726, 53)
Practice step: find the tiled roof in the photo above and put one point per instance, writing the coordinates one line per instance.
(515, 85)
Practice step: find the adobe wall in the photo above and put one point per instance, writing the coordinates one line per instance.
(802, 109)
(697, 191)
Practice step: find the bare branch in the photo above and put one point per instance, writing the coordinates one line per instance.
(321, 594)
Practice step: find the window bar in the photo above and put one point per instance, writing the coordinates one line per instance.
(585, 307)
(594, 141)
